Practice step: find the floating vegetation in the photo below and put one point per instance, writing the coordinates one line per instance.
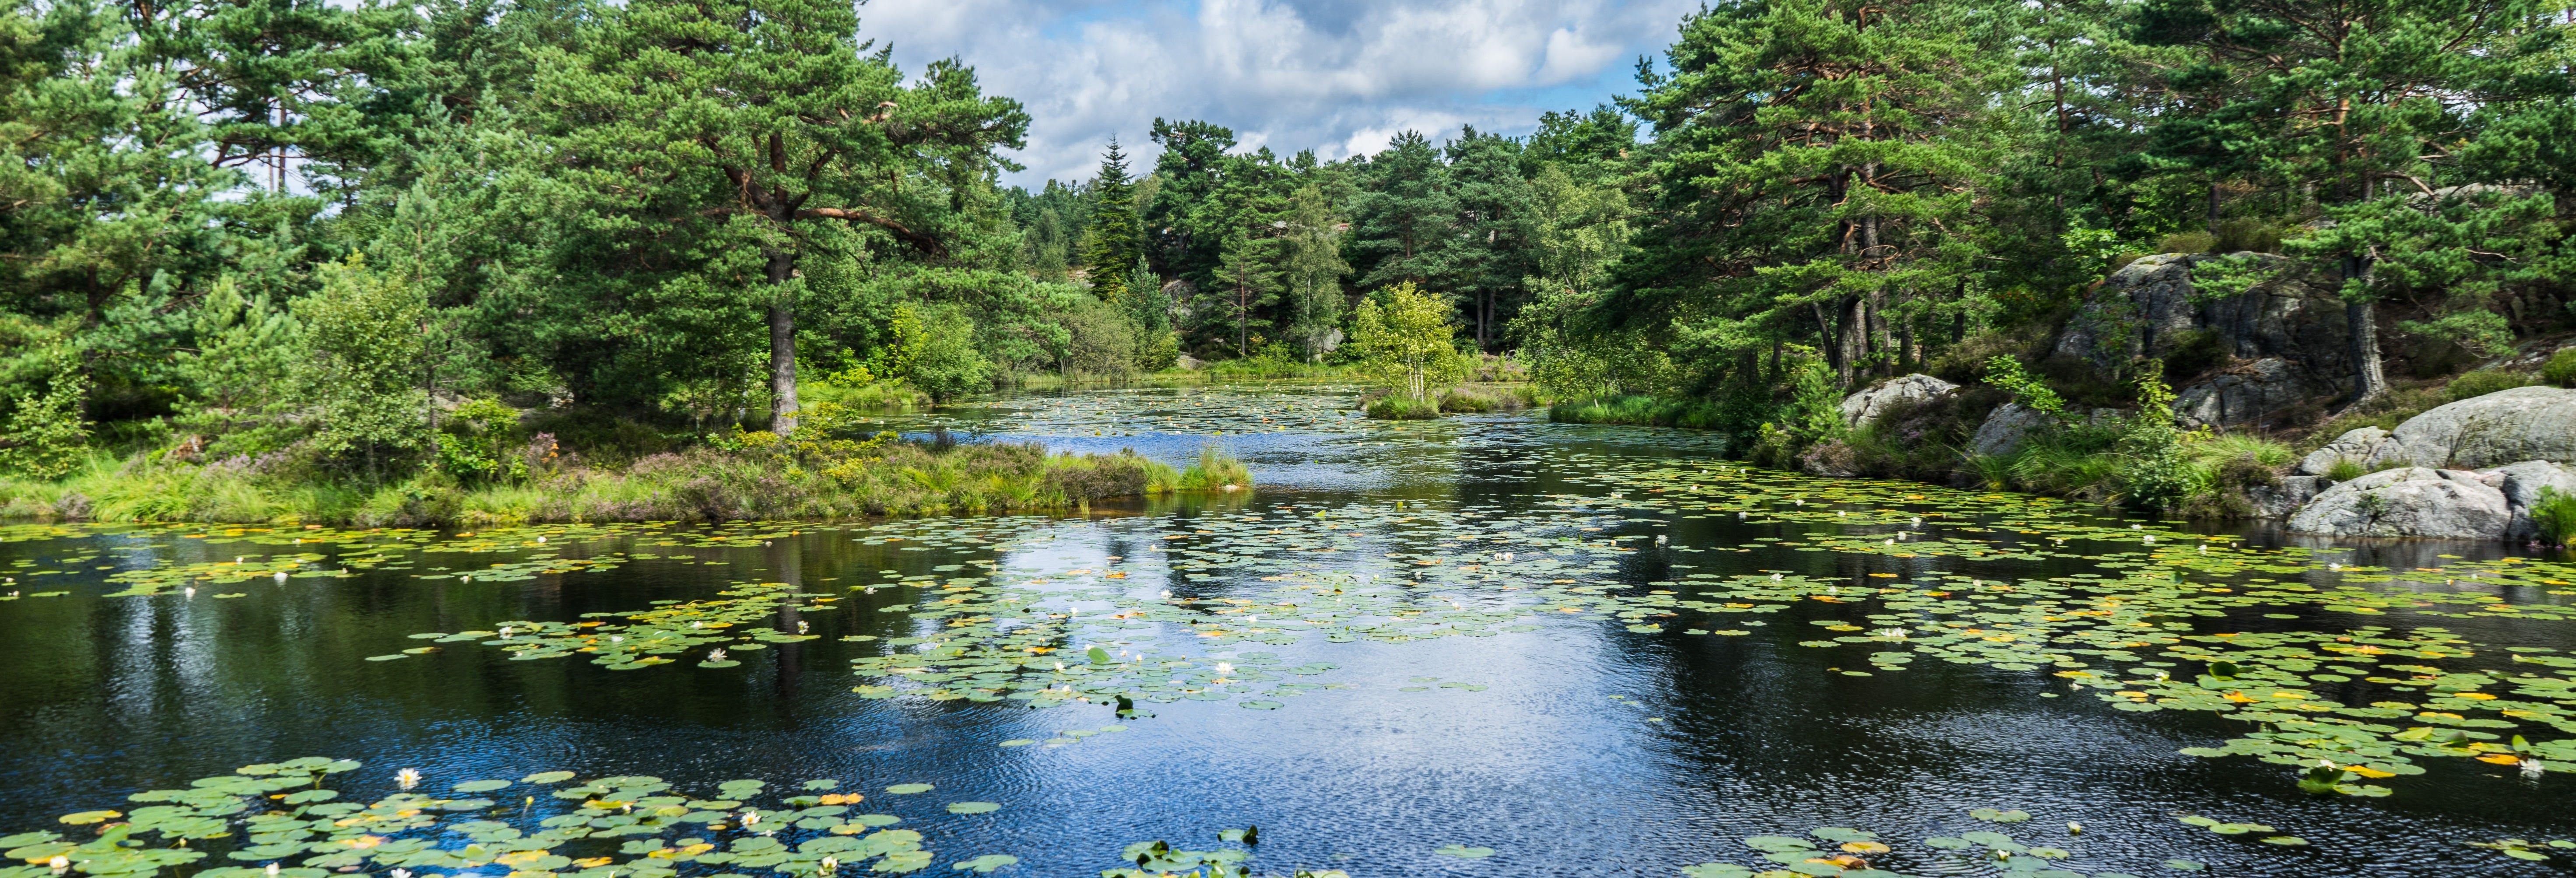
(284, 820)
(2341, 675)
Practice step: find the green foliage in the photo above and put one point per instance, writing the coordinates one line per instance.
(2007, 373)
(1399, 407)
(2486, 381)
(1113, 236)
(361, 375)
(1403, 336)
(45, 432)
(2159, 475)
(475, 444)
(2561, 368)
(947, 363)
(2554, 513)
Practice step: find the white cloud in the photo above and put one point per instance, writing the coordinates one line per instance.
(1337, 76)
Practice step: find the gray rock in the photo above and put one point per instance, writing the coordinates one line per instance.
(2408, 502)
(2246, 394)
(2521, 486)
(2353, 445)
(2006, 428)
(1859, 409)
(2279, 501)
(2524, 423)
(2144, 309)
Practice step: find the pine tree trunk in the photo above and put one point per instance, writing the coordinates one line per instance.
(1853, 334)
(2369, 381)
(782, 347)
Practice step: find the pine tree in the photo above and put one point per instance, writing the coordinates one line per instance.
(1114, 240)
(1249, 283)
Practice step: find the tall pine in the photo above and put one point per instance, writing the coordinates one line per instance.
(1114, 239)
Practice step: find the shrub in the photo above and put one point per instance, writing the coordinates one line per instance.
(2554, 514)
(2187, 242)
(1215, 470)
(1398, 407)
(2561, 368)
(2485, 381)
(2195, 351)
(2245, 233)
(2345, 470)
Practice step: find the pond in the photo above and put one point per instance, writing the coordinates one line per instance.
(1486, 645)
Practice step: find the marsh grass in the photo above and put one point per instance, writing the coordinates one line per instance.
(1644, 411)
(895, 478)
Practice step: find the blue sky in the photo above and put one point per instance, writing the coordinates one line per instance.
(1336, 76)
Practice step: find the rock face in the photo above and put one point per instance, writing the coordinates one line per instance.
(2146, 308)
(2006, 428)
(2279, 501)
(2243, 395)
(2524, 423)
(2353, 445)
(1861, 408)
(2522, 484)
(2409, 502)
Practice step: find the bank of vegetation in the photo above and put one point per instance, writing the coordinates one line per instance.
(308, 241)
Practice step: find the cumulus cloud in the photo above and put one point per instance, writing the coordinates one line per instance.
(1336, 76)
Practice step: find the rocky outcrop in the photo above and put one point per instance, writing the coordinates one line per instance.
(2243, 395)
(2409, 502)
(2283, 499)
(2524, 423)
(2353, 445)
(2007, 428)
(2522, 484)
(2149, 306)
(1859, 409)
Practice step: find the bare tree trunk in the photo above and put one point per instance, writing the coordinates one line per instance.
(782, 347)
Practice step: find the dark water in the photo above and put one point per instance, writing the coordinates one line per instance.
(1554, 764)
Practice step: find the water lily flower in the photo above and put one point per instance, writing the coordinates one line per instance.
(616, 639)
(1775, 577)
(802, 626)
(402, 873)
(190, 591)
(407, 778)
(272, 870)
(541, 541)
(1890, 633)
(2151, 538)
(2074, 828)
(1059, 667)
(2333, 566)
(830, 864)
(2532, 767)
(61, 864)
(750, 818)
(697, 624)
(505, 632)
(716, 656)
(281, 576)
(1224, 668)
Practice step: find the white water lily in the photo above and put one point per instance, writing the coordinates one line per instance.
(190, 591)
(272, 870)
(281, 576)
(61, 864)
(1059, 667)
(613, 638)
(1890, 633)
(2151, 538)
(750, 818)
(407, 778)
(802, 627)
(541, 541)
(1224, 668)
(2532, 767)
(1775, 577)
(716, 656)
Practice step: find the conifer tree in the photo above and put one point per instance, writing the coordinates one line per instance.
(1114, 241)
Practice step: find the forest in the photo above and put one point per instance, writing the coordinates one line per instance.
(388, 255)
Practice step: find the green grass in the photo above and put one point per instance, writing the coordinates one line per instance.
(2555, 514)
(697, 485)
(1402, 408)
(1644, 411)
